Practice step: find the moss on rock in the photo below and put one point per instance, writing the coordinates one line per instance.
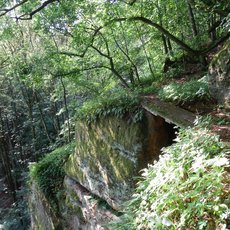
(110, 153)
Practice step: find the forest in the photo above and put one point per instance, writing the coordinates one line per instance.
(63, 61)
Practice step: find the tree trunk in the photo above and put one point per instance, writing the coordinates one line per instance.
(66, 108)
(4, 155)
(192, 19)
(29, 100)
(165, 44)
(145, 51)
(170, 46)
(42, 117)
(213, 32)
(134, 67)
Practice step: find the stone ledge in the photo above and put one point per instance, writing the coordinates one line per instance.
(171, 113)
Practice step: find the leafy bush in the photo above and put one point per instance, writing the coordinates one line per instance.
(118, 103)
(18, 217)
(175, 72)
(49, 173)
(147, 81)
(152, 89)
(188, 92)
(186, 189)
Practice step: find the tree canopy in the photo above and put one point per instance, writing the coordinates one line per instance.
(125, 39)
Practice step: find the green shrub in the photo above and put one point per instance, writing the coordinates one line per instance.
(152, 89)
(18, 216)
(188, 92)
(147, 81)
(49, 173)
(175, 72)
(186, 189)
(119, 103)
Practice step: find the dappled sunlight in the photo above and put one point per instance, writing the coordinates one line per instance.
(118, 78)
(111, 152)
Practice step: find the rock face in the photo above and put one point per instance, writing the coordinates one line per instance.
(79, 209)
(100, 174)
(219, 75)
(42, 215)
(83, 210)
(110, 153)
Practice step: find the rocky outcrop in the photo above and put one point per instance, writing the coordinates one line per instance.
(219, 75)
(83, 210)
(100, 174)
(42, 214)
(110, 153)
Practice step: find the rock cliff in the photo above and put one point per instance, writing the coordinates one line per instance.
(101, 173)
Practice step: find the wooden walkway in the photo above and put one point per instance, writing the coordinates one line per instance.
(171, 113)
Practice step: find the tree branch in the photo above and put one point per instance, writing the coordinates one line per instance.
(102, 54)
(216, 43)
(5, 11)
(214, 26)
(74, 71)
(131, 2)
(163, 31)
(149, 22)
(31, 14)
(71, 54)
(130, 60)
(2, 64)
(112, 68)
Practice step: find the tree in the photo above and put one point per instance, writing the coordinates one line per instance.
(57, 54)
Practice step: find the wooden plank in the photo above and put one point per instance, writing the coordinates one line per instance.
(171, 113)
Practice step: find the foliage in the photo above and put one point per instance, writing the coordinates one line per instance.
(122, 104)
(152, 89)
(186, 189)
(49, 173)
(208, 120)
(149, 85)
(190, 91)
(18, 217)
(174, 72)
(56, 54)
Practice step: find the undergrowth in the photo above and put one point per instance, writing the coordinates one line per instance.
(49, 173)
(188, 92)
(186, 189)
(127, 102)
(119, 103)
(17, 216)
